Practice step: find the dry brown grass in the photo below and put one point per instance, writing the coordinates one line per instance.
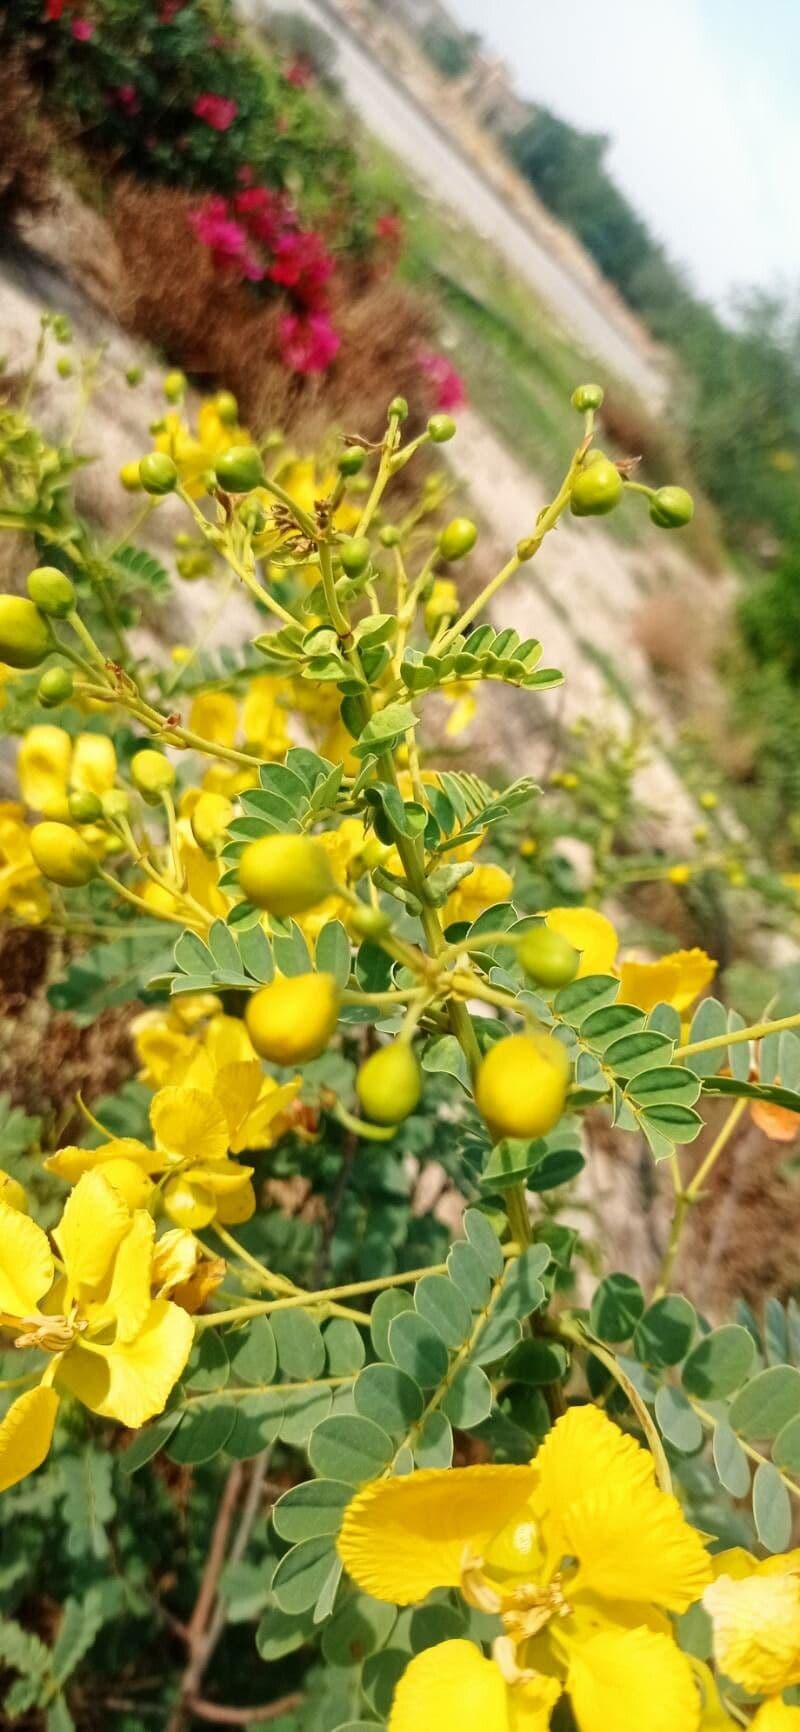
(220, 332)
(25, 144)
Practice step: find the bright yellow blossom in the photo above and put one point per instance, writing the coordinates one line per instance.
(218, 1058)
(258, 724)
(194, 454)
(755, 1614)
(579, 1555)
(484, 886)
(51, 766)
(23, 890)
(677, 978)
(109, 1342)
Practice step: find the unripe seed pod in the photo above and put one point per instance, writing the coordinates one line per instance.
(389, 1084)
(175, 386)
(286, 874)
(671, 507)
(354, 555)
(587, 397)
(398, 408)
(240, 469)
(85, 807)
(51, 590)
(457, 538)
(64, 367)
(548, 957)
(293, 1019)
(227, 408)
(389, 536)
(55, 687)
(133, 375)
(596, 490)
(368, 922)
(521, 1086)
(441, 428)
(129, 477)
(62, 855)
(157, 473)
(351, 461)
(25, 637)
(151, 773)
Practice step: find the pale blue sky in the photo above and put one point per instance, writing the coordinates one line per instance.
(700, 98)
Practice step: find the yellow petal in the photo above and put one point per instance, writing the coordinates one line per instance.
(133, 1184)
(647, 984)
(131, 1381)
(590, 933)
(129, 1298)
(776, 1716)
(756, 1624)
(221, 1178)
(13, 1193)
(189, 1125)
(227, 1041)
(237, 1206)
(215, 715)
(454, 1689)
(26, 1263)
(189, 1205)
(175, 1257)
(94, 1220)
(70, 1162)
(42, 769)
(26, 1433)
(585, 1449)
(250, 1102)
(164, 1053)
(94, 764)
(696, 969)
(635, 1543)
(632, 1681)
(403, 1537)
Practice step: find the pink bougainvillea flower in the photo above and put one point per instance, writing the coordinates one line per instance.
(126, 98)
(226, 239)
(218, 112)
(266, 214)
(447, 385)
(53, 10)
(308, 344)
(303, 264)
(82, 29)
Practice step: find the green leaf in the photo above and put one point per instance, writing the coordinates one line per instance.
(617, 1307)
(256, 953)
(730, 1460)
(418, 1349)
(279, 1633)
(468, 1400)
(304, 1409)
(81, 1622)
(147, 1443)
(483, 1239)
(469, 1274)
(771, 1093)
(360, 1627)
(312, 1509)
(254, 1354)
(666, 1020)
(387, 1306)
(257, 1421)
(664, 1334)
(767, 1403)
(678, 1421)
(439, 1301)
(499, 1334)
(522, 1292)
(209, 1366)
(772, 1511)
(350, 1448)
(431, 1625)
(223, 947)
(88, 1504)
(344, 1346)
(639, 1052)
(390, 1397)
(446, 1055)
(110, 974)
(537, 1363)
(384, 730)
(675, 1123)
(434, 1445)
(301, 1575)
(786, 1448)
(583, 997)
(719, 1363)
(203, 1431)
(667, 1085)
(710, 1020)
(332, 955)
(605, 1028)
(192, 956)
(301, 1349)
(554, 1167)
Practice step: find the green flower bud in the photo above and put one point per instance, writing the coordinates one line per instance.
(55, 687)
(368, 922)
(25, 637)
(398, 408)
(85, 807)
(671, 507)
(64, 367)
(51, 590)
(227, 408)
(134, 375)
(596, 490)
(441, 429)
(157, 473)
(587, 397)
(252, 514)
(547, 957)
(175, 386)
(457, 538)
(389, 536)
(354, 555)
(350, 461)
(240, 469)
(62, 329)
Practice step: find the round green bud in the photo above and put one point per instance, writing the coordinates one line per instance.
(587, 397)
(457, 538)
(671, 507)
(25, 637)
(389, 535)
(368, 922)
(239, 469)
(252, 515)
(51, 590)
(61, 855)
(134, 375)
(596, 490)
(64, 367)
(398, 408)
(55, 687)
(62, 329)
(354, 555)
(547, 957)
(115, 803)
(441, 429)
(389, 1084)
(175, 386)
(227, 408)
(85, 807)
(151, 773)
(349, 462)
(158, 426)
(157, 473)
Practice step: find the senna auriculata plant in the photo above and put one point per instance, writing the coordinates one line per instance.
(327, 893)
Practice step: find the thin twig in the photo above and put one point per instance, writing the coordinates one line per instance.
(243, 1716)
(196, 1632)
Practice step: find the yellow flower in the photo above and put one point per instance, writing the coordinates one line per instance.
(51, 766)
(575, 1554)
(306, 481)
(259, 724)
(484, 886)
(110, 1343)
(755, 1613)
(201, 874)
(677, 978)
(23, 890)
(461, 694)
(195, 453)
(183, 1271)
(776, 1716)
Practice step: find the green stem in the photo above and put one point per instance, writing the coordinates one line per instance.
(573, 1331)
(338, 617)
(756, 1031)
